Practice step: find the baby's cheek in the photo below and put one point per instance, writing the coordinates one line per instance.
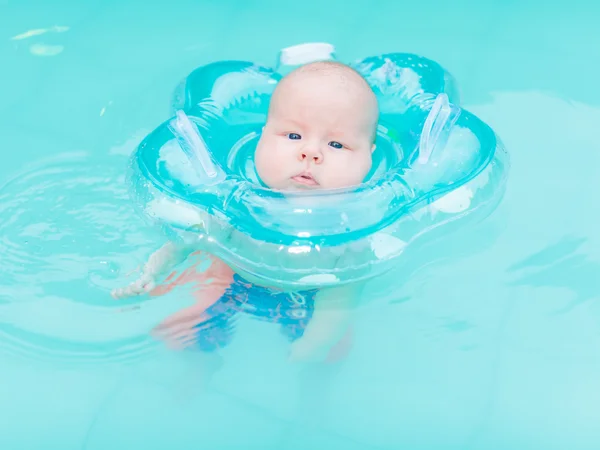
(261, 168)
(267, 168)
(363, 165)
(351, 174)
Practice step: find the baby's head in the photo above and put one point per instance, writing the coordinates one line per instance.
(320, 130)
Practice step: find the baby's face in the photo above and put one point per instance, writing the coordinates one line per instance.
(319, 133)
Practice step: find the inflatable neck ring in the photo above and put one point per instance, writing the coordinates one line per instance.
(434, 163)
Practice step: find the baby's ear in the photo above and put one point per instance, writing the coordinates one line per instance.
(373, 148)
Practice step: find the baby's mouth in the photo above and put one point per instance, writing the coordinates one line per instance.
(305, 178)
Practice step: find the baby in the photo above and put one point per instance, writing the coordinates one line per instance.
(320, 134)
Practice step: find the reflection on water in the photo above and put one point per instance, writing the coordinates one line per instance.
(560, 265)
(69, 227)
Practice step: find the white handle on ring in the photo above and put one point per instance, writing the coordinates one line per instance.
(441, 114)
(193, 145)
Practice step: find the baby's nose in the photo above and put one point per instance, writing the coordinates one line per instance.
(311, 153)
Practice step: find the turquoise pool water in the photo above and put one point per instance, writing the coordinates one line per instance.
(492, 342)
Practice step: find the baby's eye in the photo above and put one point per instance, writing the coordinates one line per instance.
(335, 144)
(294, 136)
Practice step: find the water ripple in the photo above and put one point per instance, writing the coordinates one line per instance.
(67, 227)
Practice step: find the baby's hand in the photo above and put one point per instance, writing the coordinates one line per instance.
(166, 257)
(142, 286)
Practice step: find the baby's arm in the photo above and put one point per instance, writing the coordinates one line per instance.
(331, 319)
(164, 259)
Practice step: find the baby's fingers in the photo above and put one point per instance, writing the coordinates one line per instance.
(141, 286)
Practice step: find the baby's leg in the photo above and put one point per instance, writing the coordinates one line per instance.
(181, 329)
(329, 330)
